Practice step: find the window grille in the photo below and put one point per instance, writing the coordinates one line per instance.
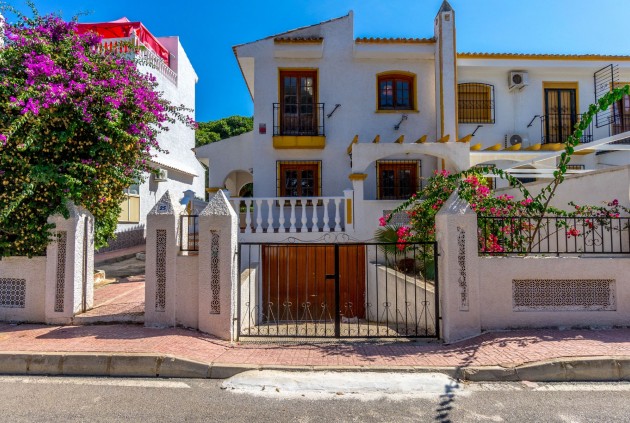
(475, 102)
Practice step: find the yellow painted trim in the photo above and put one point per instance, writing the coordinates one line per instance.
(358, 176)
(441, 82)
(421, 140)
(414, 91)
(555, 146)
(443, 164)
(400, 139)
(467, 138)
(515, 147)
(495, 147)
(455, 77)
(299, 141)
(348, 211)
(353, 142)
(213, 190)
(476, 147)
(573, 85)
(518, 56)
(584, 152)
(444, 139)
(534, 147)
(377, 139)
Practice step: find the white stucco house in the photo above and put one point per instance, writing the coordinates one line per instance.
(345, 127)
(180, 171)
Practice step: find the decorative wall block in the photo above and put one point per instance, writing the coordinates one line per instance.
(563, 295)
(400, 218)
(461, 261)
(215, 269)
(60, 282)
(160, 270)
(12, 293)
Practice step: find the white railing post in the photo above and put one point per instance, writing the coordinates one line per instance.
(292, 220)
(337, 215)
(270, 227)
(326, 220)
(304, 228)
(315, 219)
(258, 216)
(248, 217)
(281, 221)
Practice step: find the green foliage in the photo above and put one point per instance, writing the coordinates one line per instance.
(216, 130)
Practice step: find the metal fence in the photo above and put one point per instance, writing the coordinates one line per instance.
(298, 119)
(555, 235)
(341, 290)
(189, 233)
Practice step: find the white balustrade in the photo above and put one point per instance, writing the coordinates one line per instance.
(307, 214)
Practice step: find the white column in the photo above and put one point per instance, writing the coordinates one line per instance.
(258, 216)
(218, 268)
(248, 217)
(292, 219)
(337, 215)
(326, 220)
(281, 221)
(161, 263)
(304, 221)
(270, 215)
(315, 218)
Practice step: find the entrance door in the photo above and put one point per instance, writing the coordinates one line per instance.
(298, 90)
(298, 283)
(560, 114)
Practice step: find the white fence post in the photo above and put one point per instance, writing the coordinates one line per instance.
(161, 262)
(70, 267)
(456, 233)
(218, 267)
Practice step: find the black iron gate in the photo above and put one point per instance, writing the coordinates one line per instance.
(340, 290)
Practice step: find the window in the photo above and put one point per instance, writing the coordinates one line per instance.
(560, 111)
(396, 92)
(489, 181)
(130, 212)
(621, 115)
(397, 179)
(298, 104)
(299, 178)
(475, 103)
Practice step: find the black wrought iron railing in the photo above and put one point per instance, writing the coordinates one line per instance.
(298, 119)
(556, 128)
(189, 233)
(556, 235)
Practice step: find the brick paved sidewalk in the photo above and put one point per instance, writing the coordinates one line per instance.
(501, 348)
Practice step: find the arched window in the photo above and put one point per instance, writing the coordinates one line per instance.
(396, 91)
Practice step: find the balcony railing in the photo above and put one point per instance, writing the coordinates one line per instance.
(556, 128)
(140, 53)
(290, 214)
(620, 123)
(298, 119)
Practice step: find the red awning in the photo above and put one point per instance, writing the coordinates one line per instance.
(123, 28)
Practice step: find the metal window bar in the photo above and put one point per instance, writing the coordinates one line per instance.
(556, 128)
(189, 233)
(338, 290)
(300, 119)
(475, 103)
(557, 235)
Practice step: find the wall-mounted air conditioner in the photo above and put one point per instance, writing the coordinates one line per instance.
(162, 175)
(517, 80)
(512, 139)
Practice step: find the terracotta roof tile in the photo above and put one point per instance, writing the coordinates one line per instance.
(537, 56)
(306, 40)
(378, 40)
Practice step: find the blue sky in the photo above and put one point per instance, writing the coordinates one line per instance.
(209, 28)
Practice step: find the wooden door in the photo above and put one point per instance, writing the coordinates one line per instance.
(296, 288)
(298, 102)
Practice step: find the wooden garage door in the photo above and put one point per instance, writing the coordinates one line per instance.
(295, 287)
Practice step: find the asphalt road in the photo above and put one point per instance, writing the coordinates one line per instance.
(159, 400)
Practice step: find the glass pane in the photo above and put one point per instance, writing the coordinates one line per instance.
(406, 183)
(291, 183)
(308, 183)
(388, 184)
(402, 94)
(290, 85)
(386, 90)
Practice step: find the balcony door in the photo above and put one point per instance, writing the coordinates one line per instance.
(621, 110)
(298, 102)
(560, 114)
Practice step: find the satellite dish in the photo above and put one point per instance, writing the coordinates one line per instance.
(516, 139)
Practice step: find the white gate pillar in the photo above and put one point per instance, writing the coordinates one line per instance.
(161, 262)
(218, 263)
(70, 266)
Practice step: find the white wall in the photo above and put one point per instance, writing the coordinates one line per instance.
(33, 271)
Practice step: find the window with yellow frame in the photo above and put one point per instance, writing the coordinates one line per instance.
(130, 207)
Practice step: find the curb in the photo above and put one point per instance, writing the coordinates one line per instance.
(574, 369)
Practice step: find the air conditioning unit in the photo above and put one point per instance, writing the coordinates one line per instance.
(513, 139)
(162, 175)
(518, 80)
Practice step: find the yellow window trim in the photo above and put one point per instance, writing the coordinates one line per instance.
(130, 209)
(299, 141)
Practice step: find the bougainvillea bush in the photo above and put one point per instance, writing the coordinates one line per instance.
(514, 224)
(76, 124)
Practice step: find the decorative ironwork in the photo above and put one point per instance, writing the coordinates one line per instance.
(556, 235)
(341, 290)
(215, 273)
(563, 294)
(160, 270)
(475, 102)
(461, 261)
(189, 233)
(60, 284)
(604, 79)
(12, 293)
(556, 128)
(400, 218)
(303, 119)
